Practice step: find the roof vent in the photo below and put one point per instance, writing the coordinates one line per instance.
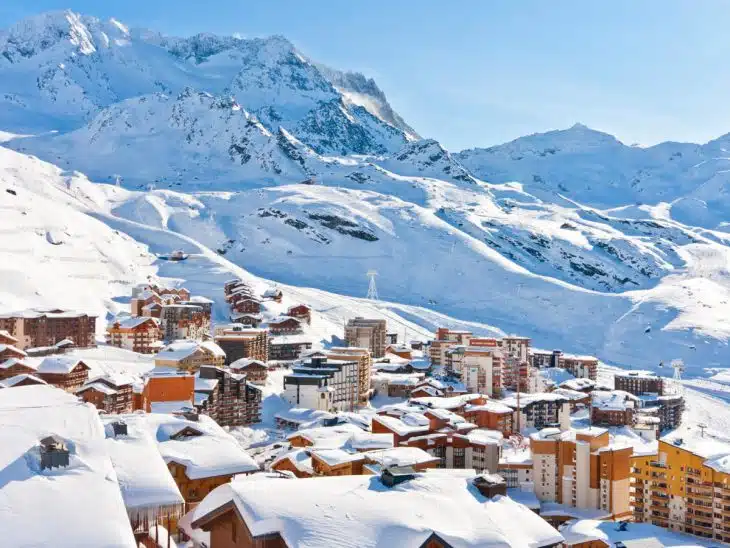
(119, 428)
(54, 453)
(490, 485)
(390, 477)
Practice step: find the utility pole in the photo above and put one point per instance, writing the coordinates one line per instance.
(372, 289)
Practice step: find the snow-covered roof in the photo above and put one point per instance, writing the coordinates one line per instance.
(410, 423)
(15, 379)
(282, 319)
(98, 386)
(526, 399)
(143, 476)
(484, 436)
(11, 348)
(368, 440)
(404, 515)
(5, 334)
(78, 505)
(636, 535)
(400, 456)
(578, 384)
(451, 402)
(615, 400)
(302, 415)
(243, 363)
(167, 407)
(638, 374)
(58, 365)
(336, 457)
(299, 458)
(491, 406)
(200, 300)
(204, 385)
(181, 349)
(569, 394)
(7, 364)
(328, 436)
(215, 453)
(134, 321)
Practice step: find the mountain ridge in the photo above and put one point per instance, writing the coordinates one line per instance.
(273, 162)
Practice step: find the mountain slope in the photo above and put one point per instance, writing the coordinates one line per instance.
(248, 155)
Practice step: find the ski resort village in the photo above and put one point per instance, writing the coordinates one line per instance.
(244, 304)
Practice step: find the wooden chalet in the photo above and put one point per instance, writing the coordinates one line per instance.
(301, 312)
(64, 372)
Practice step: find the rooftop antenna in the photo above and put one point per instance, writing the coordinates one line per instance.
(702, 428)
(372, 289)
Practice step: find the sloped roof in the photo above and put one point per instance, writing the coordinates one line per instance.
(59, 365)
(316, 514)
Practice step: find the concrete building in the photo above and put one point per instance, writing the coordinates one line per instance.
(481, 370)
(364, 366)
(366, 333)
(639, 382)
(323, 384)
(581, 469)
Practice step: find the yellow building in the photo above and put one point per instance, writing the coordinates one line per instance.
(684, 487)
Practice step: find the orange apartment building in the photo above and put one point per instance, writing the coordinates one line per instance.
(162, 388)
(581, 469)
(364, 366)
(684, 487)
(40, 327)
(491, 415)
(138, 334)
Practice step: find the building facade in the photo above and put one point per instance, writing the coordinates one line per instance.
(138, 334)
(40, 327)
(324, 384)
(239, 342)
(581, 469)
(231, 400)
(684, 489)
(367, 333)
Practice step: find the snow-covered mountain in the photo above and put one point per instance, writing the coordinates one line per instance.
(249, 155)
(587, 166)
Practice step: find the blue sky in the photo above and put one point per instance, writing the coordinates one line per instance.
(481, 72)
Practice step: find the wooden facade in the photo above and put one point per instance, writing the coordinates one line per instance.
(69, 381)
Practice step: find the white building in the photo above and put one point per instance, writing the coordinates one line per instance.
(323, 384)
(481, 370)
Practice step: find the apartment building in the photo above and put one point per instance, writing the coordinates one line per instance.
(324, 384)
(138, 334)
(481, 370)
(581, 469)
(241, 342)
(184, 321)
(684, 487)
(445, 339)
(109, 393)
(40, 327)
(445, 435)
(613, 408)
(539, 410)
(582, 367)
(226, 397)
(364, 366)
(639, 382)
(367, 333)
(656, 396)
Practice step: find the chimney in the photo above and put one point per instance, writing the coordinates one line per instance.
(490, 485)
(390, 477)
(54, 453)
(119, 428)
